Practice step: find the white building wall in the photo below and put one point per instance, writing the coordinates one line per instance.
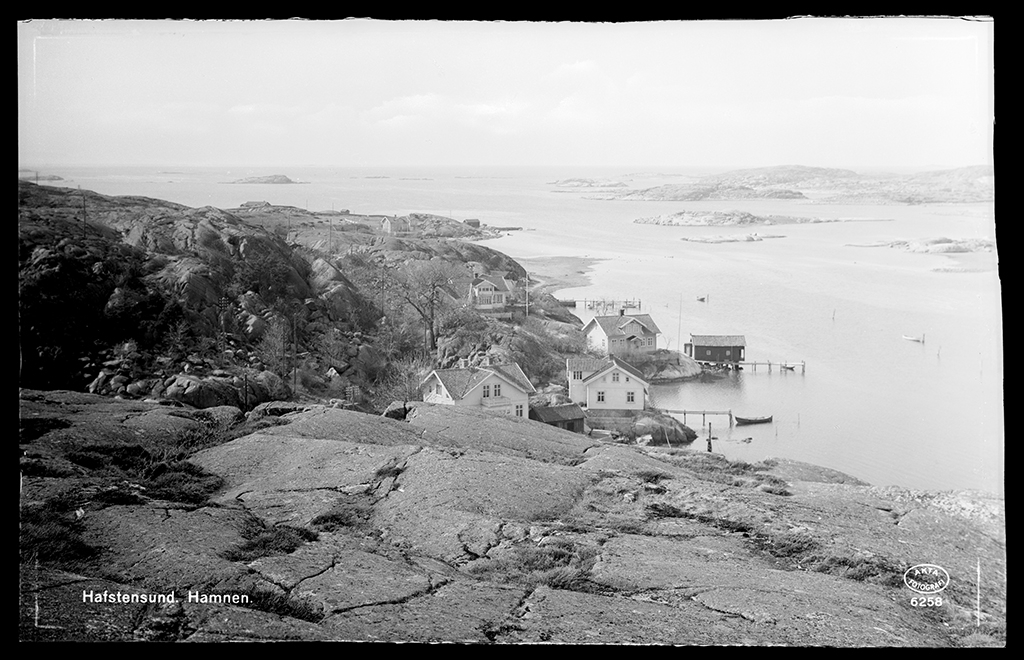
(615, 393)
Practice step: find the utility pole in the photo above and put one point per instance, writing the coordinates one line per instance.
(527, 293)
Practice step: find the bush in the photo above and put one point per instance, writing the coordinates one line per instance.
(262, 541)
(52, 533)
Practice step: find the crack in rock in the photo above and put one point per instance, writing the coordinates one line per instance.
(429, 590)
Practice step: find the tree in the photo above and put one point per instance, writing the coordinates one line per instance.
(431, 288)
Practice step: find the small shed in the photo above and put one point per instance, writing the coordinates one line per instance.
(568, 416)
(717, 348)
(473, 222)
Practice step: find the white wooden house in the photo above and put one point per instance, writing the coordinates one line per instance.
(623, 334)
(611, 384)
(491, 295)
(502, 389)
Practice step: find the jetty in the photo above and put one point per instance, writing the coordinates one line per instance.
(604, 305)
(782, 366)
(703, 414)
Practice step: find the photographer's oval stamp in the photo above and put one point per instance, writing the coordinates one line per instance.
(926, 578)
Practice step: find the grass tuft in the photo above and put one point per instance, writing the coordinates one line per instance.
(348, 511)
(262, 541)
(52, 533)
(282, 604)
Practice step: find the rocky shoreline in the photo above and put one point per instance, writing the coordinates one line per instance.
(451, 525)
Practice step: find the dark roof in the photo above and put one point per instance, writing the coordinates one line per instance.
(498, 282)
(718, 340)
(611, 324)
(548, 414)
(622, 365)
(460, 382)
(585, 364)
(514, 375)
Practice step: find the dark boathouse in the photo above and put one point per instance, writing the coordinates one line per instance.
(569, 416)
(717, 348)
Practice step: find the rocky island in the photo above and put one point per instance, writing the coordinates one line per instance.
(726, 218)
(273, 178)
(826, 186)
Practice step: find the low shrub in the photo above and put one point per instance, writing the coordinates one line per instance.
(652, 476)
(559, 564)
(182, 481)
(283, 604)
(348, 511)
(789, 544)
(262, 541)
(52, 533)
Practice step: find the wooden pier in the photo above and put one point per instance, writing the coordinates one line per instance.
(782, 366)
(604, 305)
(703, 414)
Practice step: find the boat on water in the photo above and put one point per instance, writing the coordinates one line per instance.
(788, 367)
(919, 340)
(743, 421)
(702, 298)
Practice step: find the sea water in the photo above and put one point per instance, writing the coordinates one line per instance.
(869, 403)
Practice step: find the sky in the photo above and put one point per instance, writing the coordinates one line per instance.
(885, 92)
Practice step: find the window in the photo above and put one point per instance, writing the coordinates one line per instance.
(577, 375)
(629, 397)
(437, 388)
(727, 352)
(519, 410)
(615, 377)
(600, 397)
(487, 391)
(497, 390)
(709, 351)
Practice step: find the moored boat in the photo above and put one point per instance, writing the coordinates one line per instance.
(742, 421)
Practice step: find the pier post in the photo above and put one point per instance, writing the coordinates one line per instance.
(709, 437)
(803, 366)
(769, 366)
(730, 418)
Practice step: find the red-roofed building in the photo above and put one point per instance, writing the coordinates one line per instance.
(503, 389)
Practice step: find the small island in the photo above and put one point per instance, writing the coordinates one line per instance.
(273, 178)
(716, 218)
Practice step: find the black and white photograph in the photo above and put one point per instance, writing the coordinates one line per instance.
(661, 333)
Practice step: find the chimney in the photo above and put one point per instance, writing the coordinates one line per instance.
(622, 312)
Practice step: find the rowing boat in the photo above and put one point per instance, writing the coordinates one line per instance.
(741, 421)
(919, 340)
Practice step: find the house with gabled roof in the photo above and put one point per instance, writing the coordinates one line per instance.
(716, 348)
(491, 295)
(499, 388)
(623, 334)
(610, 383)
(395, 225)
